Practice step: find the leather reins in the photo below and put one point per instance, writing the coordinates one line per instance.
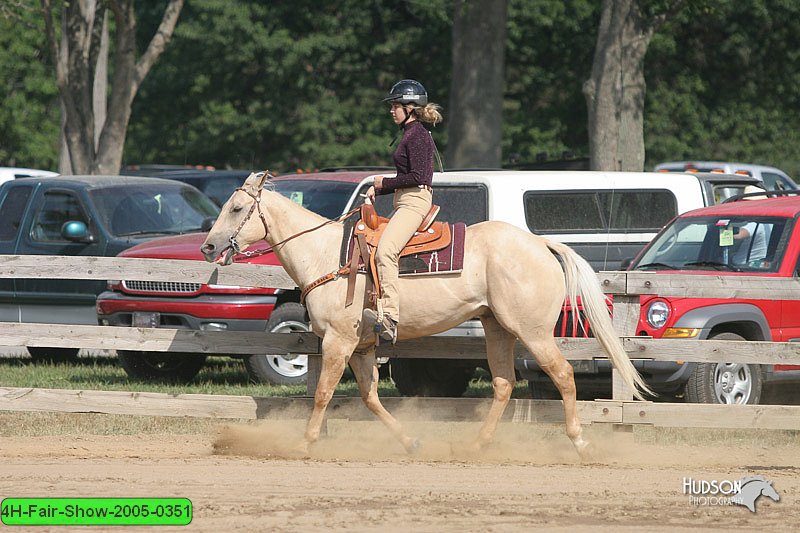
(234, 244)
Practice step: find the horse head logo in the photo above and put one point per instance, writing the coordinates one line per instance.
(752, 488)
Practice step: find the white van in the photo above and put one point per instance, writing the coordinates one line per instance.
(606, 217)
(772, 178)
(10, 173)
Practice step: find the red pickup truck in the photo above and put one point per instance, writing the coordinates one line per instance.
(734, 239)
(219, 307)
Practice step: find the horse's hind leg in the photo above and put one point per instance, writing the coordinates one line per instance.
(553, 363)
(335, 352)
(366, 373)
(500, 355)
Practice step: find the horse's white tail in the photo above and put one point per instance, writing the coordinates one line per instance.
(581, 281)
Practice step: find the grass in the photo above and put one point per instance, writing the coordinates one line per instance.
(221, 375)
(228, 376)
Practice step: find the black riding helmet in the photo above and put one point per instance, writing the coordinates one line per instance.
(407, 92)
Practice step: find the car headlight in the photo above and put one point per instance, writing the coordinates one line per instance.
(657, 314)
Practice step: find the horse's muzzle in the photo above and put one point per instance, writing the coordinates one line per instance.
(223, 257)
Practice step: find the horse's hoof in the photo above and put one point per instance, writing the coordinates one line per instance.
(302, 450)
(586, 451)
(413, 446)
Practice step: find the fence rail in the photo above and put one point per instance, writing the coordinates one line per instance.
(625, 286)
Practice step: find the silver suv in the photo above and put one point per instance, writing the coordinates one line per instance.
(770, 177)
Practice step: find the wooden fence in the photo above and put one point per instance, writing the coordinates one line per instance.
(625, 286)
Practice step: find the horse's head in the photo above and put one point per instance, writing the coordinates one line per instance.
(240, 223)
(769, 491)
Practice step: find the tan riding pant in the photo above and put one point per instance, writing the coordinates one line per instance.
(411, 205)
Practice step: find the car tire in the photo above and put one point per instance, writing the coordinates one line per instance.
(53, 355)
(162, 367)
(281, 369)
(436, 378)
(725, 383)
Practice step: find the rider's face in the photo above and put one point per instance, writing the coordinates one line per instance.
(398, 113)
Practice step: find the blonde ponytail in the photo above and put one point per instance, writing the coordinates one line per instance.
(430, 113)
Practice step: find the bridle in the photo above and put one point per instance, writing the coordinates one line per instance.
(234, 244)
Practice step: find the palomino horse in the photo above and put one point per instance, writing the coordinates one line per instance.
(511, 279)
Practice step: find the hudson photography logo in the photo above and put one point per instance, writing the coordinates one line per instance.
(744, 491)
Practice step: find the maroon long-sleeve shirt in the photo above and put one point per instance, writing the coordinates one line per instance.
(413, 159)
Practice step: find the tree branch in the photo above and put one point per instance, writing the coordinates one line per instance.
(159, 41)
(96, 37)
(61, 75)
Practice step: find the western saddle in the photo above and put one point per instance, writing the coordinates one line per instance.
(431, 235)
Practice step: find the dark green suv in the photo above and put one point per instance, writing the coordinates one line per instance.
(84, 216)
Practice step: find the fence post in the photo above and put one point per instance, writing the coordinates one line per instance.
(626, 318)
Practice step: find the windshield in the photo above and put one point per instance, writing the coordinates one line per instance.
(128, 210)
(740, 244)
(326, 198)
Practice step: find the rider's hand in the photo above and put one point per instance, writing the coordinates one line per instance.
(378, 182)
(371, 194)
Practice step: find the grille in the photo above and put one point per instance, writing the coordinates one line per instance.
(171, 287)
(566, 328)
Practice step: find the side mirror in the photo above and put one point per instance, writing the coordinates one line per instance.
(76, 231)
(207, 224)
(626, 263)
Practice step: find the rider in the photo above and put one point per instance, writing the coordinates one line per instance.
(412, 191)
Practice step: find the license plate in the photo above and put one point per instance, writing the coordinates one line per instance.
(146, 320)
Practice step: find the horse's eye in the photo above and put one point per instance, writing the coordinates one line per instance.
(237, 208)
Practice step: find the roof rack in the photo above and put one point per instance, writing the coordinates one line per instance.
(366, 168)
(760, 195)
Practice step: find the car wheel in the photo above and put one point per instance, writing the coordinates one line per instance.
(281, 369)
(435, 378)
(725, 383)
(163, 367)
(53, 355)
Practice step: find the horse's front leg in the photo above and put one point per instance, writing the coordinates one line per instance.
(335, 353)
(365, 370)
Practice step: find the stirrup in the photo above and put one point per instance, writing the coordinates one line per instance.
(386, 329)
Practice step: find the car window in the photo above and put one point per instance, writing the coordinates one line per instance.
(11, 211)
(57, 208)
(598, 211)
(724, 191)
(773, 181)
(218, 189)
(139, 209)
(714, 243)
(457, 203)
(326, 198)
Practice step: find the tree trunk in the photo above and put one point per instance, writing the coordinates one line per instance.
(476, 91)
(615, 92)
(99, 96)
(94, 136)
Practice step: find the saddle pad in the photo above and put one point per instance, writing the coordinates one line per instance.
(448, 259)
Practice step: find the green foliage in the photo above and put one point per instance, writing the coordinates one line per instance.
(29, 114)
(722, 84)
(255, 84)
(266, 84)
(548, 57)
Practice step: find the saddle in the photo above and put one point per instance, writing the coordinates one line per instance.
(431, 235)
(435, 247)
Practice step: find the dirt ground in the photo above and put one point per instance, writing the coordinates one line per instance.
(243, 477)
